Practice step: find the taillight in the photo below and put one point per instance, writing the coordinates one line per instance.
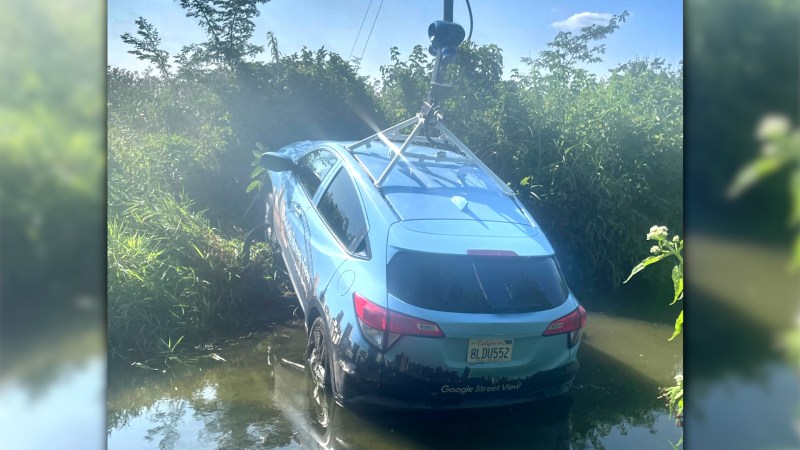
(383, 327)
(572, 323)
(372, 319)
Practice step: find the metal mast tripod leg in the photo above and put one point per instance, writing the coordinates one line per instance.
(399, 152)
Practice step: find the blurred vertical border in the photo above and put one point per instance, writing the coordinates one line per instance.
(52, 224)
(742, 63)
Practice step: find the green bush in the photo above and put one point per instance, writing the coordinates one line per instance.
(610, 161)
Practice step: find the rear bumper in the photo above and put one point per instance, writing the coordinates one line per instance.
(402, 391)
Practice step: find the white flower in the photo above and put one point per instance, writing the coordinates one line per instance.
(655, 249)
(676, 239)
(657, 233)
(773, 125)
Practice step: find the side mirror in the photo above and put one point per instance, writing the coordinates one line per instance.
(276, 162)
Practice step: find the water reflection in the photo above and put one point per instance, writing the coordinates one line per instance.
(320, 423)
(743, 394)
(30, 418)
(39, 382)
(254, 399)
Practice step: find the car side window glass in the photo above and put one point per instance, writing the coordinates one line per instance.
(312, 168)
(341, 209)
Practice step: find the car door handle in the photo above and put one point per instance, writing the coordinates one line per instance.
(297, 208)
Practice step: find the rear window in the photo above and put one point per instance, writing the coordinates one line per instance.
(476, 284)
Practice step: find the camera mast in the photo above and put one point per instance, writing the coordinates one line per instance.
(445, 36)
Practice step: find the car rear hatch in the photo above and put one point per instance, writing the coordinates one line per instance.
(493, 289)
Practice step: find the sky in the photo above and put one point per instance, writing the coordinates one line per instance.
(519, 28)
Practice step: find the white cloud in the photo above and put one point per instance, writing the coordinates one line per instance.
(581, 20)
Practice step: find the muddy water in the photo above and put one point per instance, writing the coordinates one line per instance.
(257, 396)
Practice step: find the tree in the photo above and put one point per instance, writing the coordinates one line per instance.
(229, 26)
(567, 49)
(146, 47)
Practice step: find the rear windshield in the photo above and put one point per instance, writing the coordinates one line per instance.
(476, 284)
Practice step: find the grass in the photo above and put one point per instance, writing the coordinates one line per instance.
(172, 276)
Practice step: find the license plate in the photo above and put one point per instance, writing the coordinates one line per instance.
(489, 350)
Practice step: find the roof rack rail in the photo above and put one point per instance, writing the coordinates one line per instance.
(431, 120)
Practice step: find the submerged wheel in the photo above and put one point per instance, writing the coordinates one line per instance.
(317, 354)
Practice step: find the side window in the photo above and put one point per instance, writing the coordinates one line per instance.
(313, 167)
(341, 209)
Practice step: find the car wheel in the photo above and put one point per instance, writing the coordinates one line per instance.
(320, 404)
(317, 354)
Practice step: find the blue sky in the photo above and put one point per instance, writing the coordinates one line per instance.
(519, 28)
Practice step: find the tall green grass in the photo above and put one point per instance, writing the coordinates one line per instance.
(171, 274)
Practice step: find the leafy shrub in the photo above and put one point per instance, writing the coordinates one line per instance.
(668, 249)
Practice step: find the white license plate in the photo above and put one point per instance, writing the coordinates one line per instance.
(489, 350)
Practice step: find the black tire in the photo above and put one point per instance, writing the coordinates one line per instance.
(318, 355)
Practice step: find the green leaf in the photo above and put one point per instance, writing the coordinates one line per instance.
(525, 181)
(257, 171)
(199, 252)
(753, 173)
(639, 267)
(678, 326)
(253, 185)
(677, 283)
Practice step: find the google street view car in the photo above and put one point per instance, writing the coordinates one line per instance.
(424, 281)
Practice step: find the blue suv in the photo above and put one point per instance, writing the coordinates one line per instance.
(424, 281)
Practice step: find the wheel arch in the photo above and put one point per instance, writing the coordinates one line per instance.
(313, 312)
